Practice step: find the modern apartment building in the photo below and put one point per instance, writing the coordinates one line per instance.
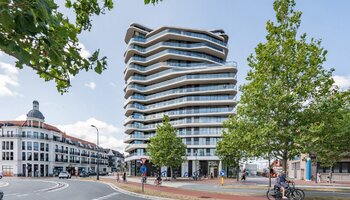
(182, 73)
(35, 148)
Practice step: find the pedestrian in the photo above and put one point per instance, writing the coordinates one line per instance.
(124, 177)
(318, 177)
(243, 175)
(118, 177)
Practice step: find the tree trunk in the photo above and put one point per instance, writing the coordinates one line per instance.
(171, 173)
(330, 174)
(284, 163)
(237, 171)
(269, 172)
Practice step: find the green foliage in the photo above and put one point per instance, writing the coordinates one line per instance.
(165, 148)
(152, 1)
(286, 79)
(40, 37)
(329, 130)
(232, 148)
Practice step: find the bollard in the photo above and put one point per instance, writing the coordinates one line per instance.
(222, 181)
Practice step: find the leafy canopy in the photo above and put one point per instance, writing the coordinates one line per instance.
(38, 36)
(286, 78)
(165, 148)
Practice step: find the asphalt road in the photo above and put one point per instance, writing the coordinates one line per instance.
(59, 189)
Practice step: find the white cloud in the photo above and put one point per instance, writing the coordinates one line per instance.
(8, 79)
(108, 133)
(91, 85)
(21, 117)
(83, 51)
(343, 82)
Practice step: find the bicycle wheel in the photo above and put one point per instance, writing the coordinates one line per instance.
(295, 195)
(301, 192)
(270, 194)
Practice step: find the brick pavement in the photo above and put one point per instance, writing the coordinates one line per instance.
(196, 194)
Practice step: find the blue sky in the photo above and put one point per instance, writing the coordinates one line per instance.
(99, 99)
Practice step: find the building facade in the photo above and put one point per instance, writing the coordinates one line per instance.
(305, 167)
(35, 148)
(181, 73)
(115, 161)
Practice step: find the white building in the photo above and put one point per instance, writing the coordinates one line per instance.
(34, 148)
(182, 73)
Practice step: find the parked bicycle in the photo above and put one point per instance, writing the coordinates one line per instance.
(291, 192)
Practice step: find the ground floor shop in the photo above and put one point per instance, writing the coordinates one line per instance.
(190, 168)
(44, 169)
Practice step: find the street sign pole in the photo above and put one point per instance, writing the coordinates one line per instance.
(143, 171)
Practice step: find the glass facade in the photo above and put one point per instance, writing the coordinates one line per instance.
(181, 73)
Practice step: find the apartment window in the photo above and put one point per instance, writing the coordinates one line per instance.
(47, 157)
(36, 146)
(42, 146)
(23, 145)
(29, 145)
(36, 156)
(23, 134)
(3, 155)
(47, 147)
(23, 155)
(29, 155)
(42, 157)
(46, 136)
(36, 135)
(7, 155)
(29, 134)
(42, 135)
(3, 145)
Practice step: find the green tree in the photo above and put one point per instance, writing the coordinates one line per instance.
(38, 36)
(232, 148)
(165, 148)
(329, 130)
(285, 79)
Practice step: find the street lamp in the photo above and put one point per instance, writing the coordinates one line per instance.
(98, 154)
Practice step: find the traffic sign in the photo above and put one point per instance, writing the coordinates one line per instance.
(143, 169)
(222, 173)
(143, 160)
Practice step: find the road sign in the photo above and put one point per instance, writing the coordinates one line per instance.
(143, 160)
(143, 169)
(222, 173)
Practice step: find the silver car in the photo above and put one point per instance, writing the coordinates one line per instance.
(64, 175)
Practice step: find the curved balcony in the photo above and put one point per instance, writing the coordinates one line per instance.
(199, 47)
(176, 72)
(180, 102)
(178, 92)
(131, 147)
(174, 34)
(130, 138)
(180, 81)
(174, 54)
(223, 111)
(158, 67)
(182, 123)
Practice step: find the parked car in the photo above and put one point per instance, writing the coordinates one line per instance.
(84, 174)
(92, 173)
(103, 173)
(64, 175)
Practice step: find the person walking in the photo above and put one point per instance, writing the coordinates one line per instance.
(318, 176)
(118, 177)
(124, 177)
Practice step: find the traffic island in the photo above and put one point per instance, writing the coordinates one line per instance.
(175, 193)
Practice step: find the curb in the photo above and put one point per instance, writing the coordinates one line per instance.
(118, 189)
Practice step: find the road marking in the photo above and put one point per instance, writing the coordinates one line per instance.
(4, 184)
(107, 196)
(65, 185)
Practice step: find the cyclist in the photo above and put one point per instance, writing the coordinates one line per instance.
(281, 182)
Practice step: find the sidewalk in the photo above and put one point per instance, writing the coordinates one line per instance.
(173, 189)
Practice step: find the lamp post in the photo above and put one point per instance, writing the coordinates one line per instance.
(98, 154)
(195, 162)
